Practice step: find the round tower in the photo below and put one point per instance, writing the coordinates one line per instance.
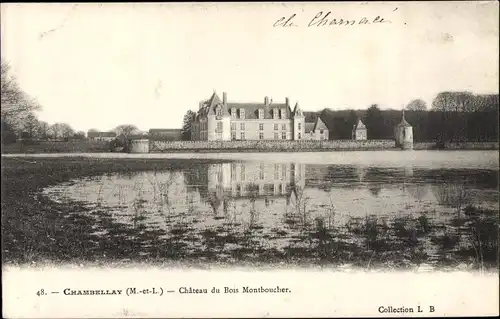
(403, 134)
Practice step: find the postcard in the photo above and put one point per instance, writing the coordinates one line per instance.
(260, 159)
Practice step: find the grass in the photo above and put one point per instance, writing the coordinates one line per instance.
(36, 229)
(75, 146)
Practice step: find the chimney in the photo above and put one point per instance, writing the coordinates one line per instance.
(287, 101)
(224, 98)
(266, 100)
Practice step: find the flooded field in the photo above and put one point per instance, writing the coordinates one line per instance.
(366, 209)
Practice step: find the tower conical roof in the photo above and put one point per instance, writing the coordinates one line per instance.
(360, 125)
(403, 122)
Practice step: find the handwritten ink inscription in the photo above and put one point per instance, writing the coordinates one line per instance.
(325, 19)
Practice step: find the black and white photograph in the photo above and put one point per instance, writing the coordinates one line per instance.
(339, 137)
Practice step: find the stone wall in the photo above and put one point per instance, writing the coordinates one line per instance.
(425, 146)
(268, 146)
(456, 146)
(138, 146)
(472, 146)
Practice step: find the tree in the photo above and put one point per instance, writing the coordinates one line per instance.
(374, 121)
(30, 125)
(8, 136)
(352, 120)
(453, 106)
(417, 105)
(61, 131)
(93, 130)
(79, 135)
(43, 130)
(453, 102)
(126, 129)
(186, 125)
(16, 104)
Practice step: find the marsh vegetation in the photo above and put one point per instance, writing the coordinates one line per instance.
(204, 212)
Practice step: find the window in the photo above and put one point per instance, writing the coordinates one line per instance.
(283, 135)
(233, 171)
(218, 111)
(299, 126)
(242, 126)
(275, 113)
(233, 135)
(321, 131)
(242, 135)
(242, 113)
(283, 113)
(242, 174)
(283, 127)
(261, 171)
(233, 113)
(283, 171)
(299, 135)
(219, 126)
(275, 127)
(261, 113)
(261, 127)
(275, 135)
(276, 171)
(261, 135)
(233, 126)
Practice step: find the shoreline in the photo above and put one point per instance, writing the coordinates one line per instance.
(193, 147)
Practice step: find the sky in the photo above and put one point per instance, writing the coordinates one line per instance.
(101, 65)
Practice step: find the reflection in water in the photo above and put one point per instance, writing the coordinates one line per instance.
(291, 211)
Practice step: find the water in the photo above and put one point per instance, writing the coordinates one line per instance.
(387, 208)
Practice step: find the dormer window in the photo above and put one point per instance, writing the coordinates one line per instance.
(261, 113)
(242, 113)
(233, 113)
(218, 111)
(283, 113)
(275, 114)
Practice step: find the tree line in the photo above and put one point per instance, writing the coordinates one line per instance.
(18, 117)
(452, 117)
(19, 120)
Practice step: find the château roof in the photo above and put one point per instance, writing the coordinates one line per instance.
(403, 122)
(297, 111)
(320, 124)
(213, 100)
(360, 125)
(251, 109)
(309, 127)
(313, 126)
